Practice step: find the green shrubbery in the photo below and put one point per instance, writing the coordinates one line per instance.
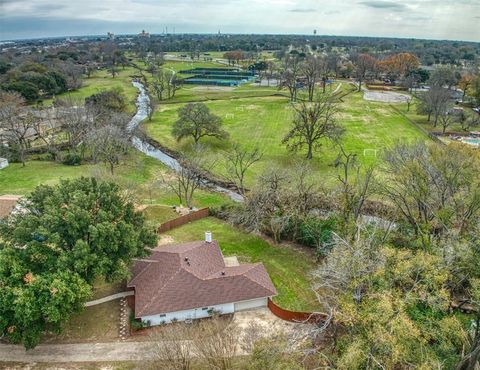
(72, 159)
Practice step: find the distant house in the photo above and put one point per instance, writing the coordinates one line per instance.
(3, 163)
(191, 281)
(8, 203)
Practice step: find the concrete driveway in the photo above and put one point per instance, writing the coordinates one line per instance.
(269, 322)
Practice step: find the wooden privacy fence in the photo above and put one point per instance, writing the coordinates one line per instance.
(182, 220)
(293, 316)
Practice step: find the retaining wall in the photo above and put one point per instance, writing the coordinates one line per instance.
(294, 316)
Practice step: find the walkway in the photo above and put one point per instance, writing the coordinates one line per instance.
(110, 298)
(337, 88)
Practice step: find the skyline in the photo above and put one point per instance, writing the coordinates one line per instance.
(424, 19)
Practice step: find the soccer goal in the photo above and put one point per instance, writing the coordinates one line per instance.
(370, 152)
(240, 108)
(229, 116)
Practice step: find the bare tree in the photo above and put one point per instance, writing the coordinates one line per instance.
(311, 71)
(110, 144)
(364, 63)
(270, 72)
(254, 331)
(333, 60)
(159, 84)
(73, 73)
(433, 188)
(173, 347)
(17, 124)
(355, 188)
(75, 120)
(346, 269)
(189, 175)
(436, 102)
(447, 118)
(289, 75)
(239, 160)
(47, 128)
(312, 123)
(216, 342)
(165, 83)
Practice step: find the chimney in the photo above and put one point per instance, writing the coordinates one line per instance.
(208, 236)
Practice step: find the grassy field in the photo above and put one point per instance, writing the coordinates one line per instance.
(16, 179)
(264, 121)
(102, 80)
(158, 214)
(140, 174)
(289, 268)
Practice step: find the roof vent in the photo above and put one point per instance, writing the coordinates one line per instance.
(223, 273)
(208, 236)
(186, 258)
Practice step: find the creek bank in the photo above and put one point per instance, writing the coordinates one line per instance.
(154, 149)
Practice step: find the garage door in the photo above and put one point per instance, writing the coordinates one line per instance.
(254, 303)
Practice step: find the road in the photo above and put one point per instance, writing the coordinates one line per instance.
(79, 352)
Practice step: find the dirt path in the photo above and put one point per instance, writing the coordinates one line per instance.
(337, 88)
(80, 352)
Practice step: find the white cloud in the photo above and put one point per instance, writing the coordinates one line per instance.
(446, 19)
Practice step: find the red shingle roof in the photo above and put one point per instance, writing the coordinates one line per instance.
(193, 275)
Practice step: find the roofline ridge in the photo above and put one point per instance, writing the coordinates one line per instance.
(255, 281)
(129, 284)
(158, 292)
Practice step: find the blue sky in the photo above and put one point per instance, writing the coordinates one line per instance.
(432, 19)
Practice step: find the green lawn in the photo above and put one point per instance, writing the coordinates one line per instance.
(263, 122)
(103, 80)
(140, 174)
(16, 179)
(158, 214)
(289, 268)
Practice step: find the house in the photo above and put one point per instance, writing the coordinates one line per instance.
(7, 204)
(190, 281)
(3, 163)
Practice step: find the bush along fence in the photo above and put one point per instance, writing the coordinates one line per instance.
(294, 316)
(182, 220)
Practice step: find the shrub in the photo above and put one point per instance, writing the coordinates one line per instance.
(317, 233)
(11, 153)
(27, 89)
(136, 324)
(72, 159)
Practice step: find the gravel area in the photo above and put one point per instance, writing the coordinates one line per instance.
(385, 96)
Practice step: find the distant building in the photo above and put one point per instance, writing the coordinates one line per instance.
(144, 34)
